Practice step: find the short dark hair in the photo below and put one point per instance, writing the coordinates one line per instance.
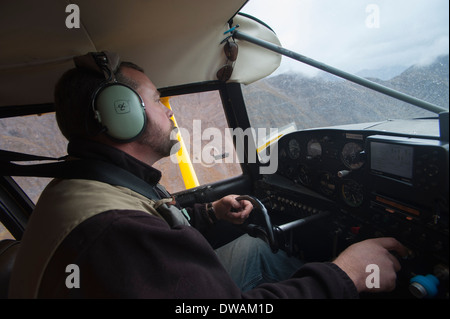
(73, 99)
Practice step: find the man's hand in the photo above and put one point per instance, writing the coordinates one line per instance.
(229, 209)
(357, 257)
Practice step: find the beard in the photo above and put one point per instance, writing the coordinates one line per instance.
(163, 143)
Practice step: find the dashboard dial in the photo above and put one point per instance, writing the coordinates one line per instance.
(352, 193)
(351, 155)
(304, 175)
(314, 149)
(327, 184)
(294, 149)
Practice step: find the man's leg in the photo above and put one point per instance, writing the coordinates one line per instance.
(250, 262)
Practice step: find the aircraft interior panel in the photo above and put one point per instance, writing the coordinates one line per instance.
(370, 184)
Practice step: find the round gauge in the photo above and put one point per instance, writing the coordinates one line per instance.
(294, 149)
(304, 175)
(314, 149)
(352, 193)
(327, 183)
(351, 155)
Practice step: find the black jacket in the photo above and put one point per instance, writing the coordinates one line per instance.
(131, 254)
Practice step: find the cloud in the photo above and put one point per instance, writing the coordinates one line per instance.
(342, 33)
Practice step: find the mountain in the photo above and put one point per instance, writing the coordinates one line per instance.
(310, 101)
(429, 83)
(384, 74)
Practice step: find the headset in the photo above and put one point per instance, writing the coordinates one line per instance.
(118, 108)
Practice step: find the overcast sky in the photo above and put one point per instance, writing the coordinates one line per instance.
(358, 34)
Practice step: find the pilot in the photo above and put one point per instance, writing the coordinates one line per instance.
(90, 239)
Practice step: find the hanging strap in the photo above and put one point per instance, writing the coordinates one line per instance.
(78, 169)
(10, 156)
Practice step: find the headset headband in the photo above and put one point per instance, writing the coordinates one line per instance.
(103, 62)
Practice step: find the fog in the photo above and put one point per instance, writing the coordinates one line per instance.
(355, 35)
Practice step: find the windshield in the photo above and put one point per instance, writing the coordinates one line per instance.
(400, 44)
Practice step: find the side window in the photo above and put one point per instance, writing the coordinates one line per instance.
(4, 233)
(37, 135)
(207, 142)
(203, 127)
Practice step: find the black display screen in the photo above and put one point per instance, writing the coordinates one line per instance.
(392, 159)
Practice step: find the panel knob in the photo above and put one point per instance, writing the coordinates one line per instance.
(424, 286)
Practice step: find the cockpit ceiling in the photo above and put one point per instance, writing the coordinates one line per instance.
(177, 42)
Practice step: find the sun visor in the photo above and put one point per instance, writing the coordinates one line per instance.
(253, 62)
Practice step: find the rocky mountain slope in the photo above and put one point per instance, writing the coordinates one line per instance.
(310, 101)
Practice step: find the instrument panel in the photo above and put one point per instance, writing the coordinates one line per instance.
(376, 184)
(358, 170)
(329, 162)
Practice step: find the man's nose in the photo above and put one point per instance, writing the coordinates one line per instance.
(169, 113)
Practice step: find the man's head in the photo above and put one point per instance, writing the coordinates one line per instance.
(76, 116)
(157, 133)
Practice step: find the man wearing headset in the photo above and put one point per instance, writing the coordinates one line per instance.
(123, 245)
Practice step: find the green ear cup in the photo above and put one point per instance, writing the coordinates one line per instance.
(121, 111)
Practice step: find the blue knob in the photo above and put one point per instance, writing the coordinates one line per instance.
(424, 286)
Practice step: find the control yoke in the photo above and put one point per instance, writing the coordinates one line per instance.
(273, 234)
(265, 231)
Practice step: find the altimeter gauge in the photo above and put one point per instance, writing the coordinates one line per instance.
(314, 149)
(351, 155)
(352, 193)
(294, 149)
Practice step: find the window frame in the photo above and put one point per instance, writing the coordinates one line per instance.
(15, 207)
(235, 112)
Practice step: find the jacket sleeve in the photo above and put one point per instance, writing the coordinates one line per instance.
(199, 217)
(131, 254)
(312, 281)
